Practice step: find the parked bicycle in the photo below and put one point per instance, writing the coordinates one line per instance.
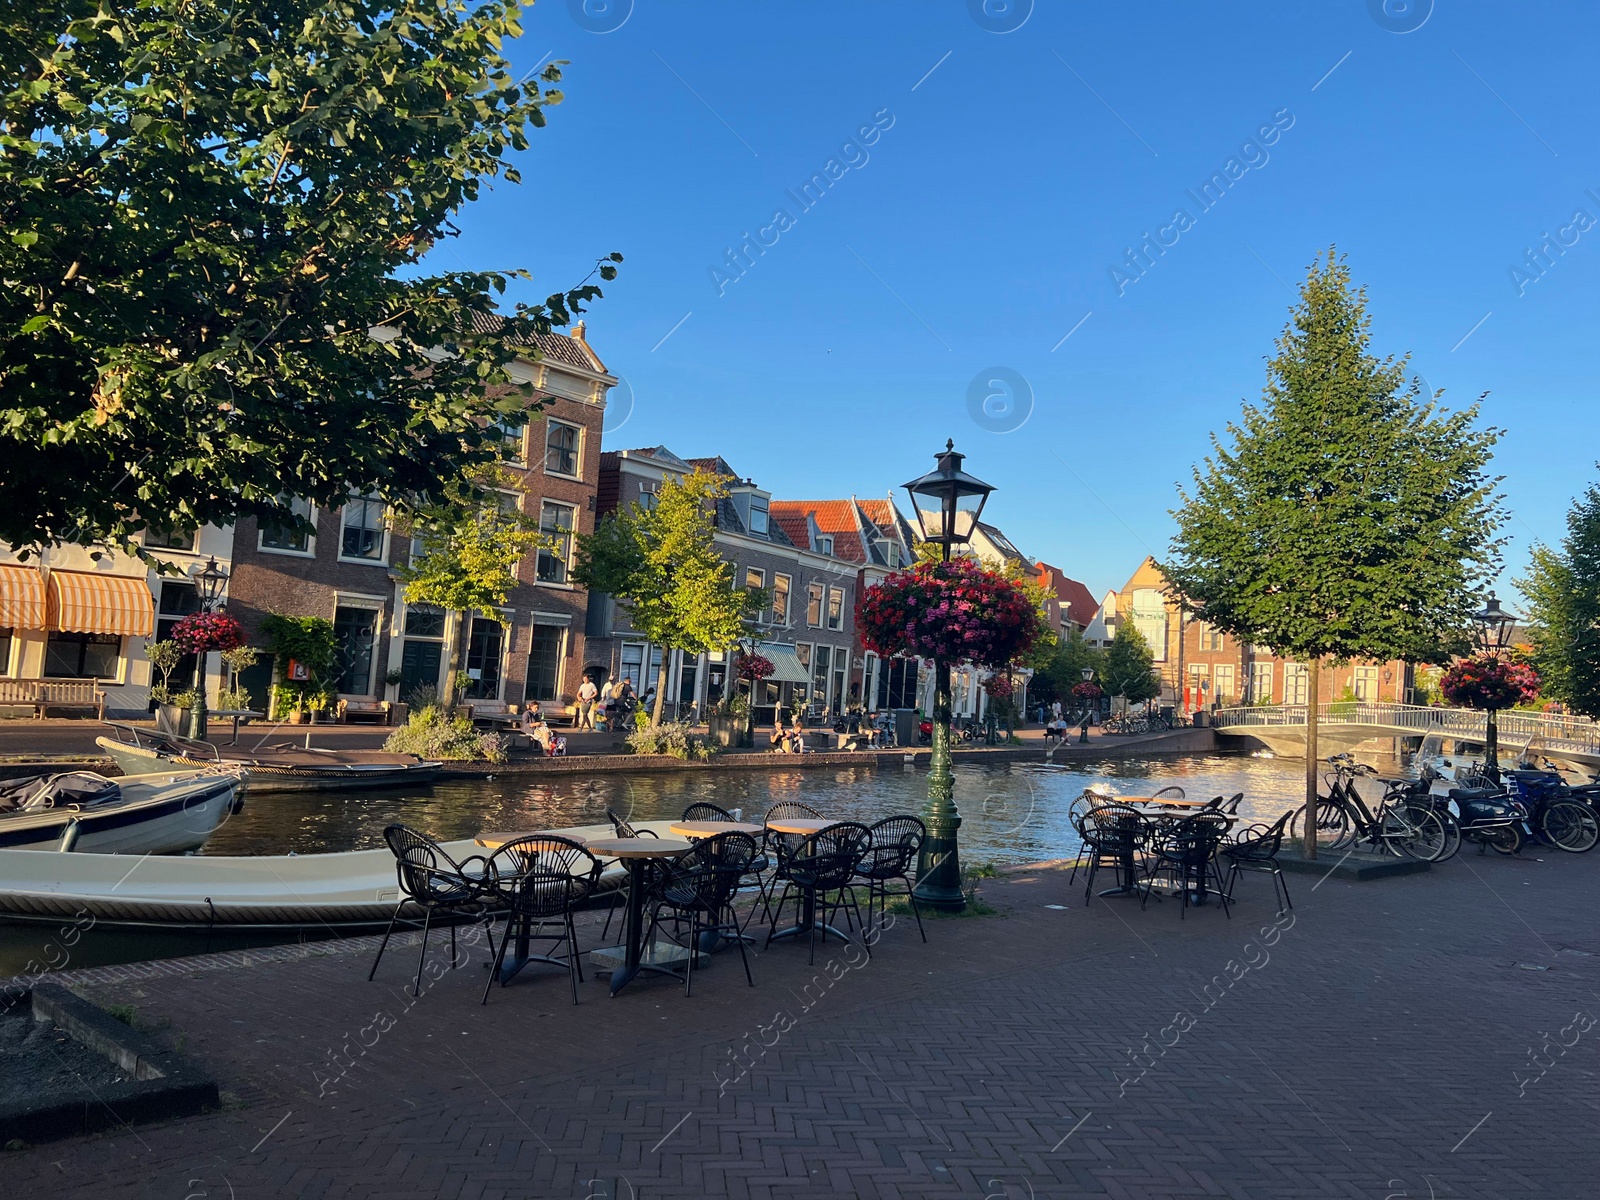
(1400, 827)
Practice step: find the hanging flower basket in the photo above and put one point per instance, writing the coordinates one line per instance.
(999, 687)
(754, 667)
(199, 633)
(955, 612)
(1087, 690)
(1489, 682)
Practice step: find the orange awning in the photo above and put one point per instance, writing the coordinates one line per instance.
(21, 597)
(88, 602)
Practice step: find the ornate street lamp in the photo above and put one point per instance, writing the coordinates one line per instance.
(957, 501)
(209, 582)
(1494, 636)
(1083, 730)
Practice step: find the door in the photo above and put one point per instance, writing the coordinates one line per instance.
(419, 667)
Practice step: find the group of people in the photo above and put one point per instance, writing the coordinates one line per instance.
(609, 706)
(866, 730)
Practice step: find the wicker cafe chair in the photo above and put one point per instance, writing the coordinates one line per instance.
(1088, 799)
(539, 880)
(759, 865)
(704, 811)
(823, 869)
(1256, 849)
(436, 883)
(779, 847)
(1187, 851)
(1113, 834)
(896, 842)
(624, 830)
(698, 886)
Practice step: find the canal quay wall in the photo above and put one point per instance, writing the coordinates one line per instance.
(1176, 741)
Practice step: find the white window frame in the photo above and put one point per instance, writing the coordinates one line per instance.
(1301, 674)
(577, 453)
(822, 604)
(788, 597)
(764, 507)
(825, 544)
(1258, 672)
(649, 494)
(1367, 675)
(517, 444)
(566, 583)
(827, 615)
(382, 558)
(311, 538)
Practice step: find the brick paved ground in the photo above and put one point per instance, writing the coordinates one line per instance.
(1377, 1046)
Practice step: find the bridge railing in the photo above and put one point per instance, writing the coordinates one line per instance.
(1536, 729)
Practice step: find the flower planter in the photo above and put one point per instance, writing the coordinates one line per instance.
(725, 731)
(297, 717)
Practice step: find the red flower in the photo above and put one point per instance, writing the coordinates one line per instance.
(1490, 682)
(201, 632)
(754, 667)
(957, 611)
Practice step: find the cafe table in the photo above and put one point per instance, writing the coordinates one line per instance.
(796, 827)
(635, 854)
(696, 830)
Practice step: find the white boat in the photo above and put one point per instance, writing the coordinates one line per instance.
(278, 768)
(343, 891)
(164, 812)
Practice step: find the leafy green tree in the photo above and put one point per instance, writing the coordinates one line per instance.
(1130, 666)
(1346, 516)
(1068, 658)
(661, 565)
(1563, 591)
(205, 207)
(468, 549)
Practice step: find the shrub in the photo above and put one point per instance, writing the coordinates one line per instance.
(429, 734)
(673, 738)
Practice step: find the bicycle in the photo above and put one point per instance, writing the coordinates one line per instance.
(1401, 827)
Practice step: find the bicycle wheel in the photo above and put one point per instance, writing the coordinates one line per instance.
(1333, 825)
(1424, 834)
(1570, 826)
(1452, 832)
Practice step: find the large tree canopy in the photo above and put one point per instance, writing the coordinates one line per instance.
(205, 207)
(1347, 516)
(1563, 591)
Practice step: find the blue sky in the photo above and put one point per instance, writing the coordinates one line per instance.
(1010, 174)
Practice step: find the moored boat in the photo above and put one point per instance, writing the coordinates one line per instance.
(278, 768)
(161, 812)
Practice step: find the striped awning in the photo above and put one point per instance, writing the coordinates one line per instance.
(89, 602)
(21, 597)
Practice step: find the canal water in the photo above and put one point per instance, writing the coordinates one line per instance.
(1012, 813)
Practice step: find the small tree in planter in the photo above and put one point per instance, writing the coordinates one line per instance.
(164, 656)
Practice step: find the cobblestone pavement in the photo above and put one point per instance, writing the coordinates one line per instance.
(1419, 1037)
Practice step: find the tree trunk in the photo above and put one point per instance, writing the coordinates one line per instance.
(457, 643)
(1313, 711)
(661, 688)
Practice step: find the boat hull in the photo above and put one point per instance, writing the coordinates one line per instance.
(165, 812)
(265, 777)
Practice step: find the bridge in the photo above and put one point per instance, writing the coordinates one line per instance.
(1345, 724)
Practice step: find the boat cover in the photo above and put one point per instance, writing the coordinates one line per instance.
(83, 789)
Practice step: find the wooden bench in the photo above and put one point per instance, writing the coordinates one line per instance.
(40, 694)
(377, 711)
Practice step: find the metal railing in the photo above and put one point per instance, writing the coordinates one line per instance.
(1542, 729)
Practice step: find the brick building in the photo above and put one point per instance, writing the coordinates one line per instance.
(533, 649)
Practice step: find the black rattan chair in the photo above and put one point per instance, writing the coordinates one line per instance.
(793, 810)
(821, 874)
(1113, 835)
(539, 880)
(896, 842)
(703, 811)
(698, 887)
(436, 883)
(1256, 849)
(1087, 799)
(624, 830)
(1186, 851)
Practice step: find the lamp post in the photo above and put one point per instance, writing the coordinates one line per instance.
(209, 582)
(1083, 730)
(957, 501)
(1494, 636)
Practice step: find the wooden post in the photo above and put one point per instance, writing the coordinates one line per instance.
(1313, 710)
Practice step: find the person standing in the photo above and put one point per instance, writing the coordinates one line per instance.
(607, 703)
(587, 692)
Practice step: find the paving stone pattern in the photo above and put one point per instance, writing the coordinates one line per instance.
(1384, 1043)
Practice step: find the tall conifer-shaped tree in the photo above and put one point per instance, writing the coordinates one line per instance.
(1344, 516)
(1563, 591)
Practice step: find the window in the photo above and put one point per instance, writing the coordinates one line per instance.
(157, 538)
(835, 608)
(649, 493)
(6, 638)
(758, 514)
(484, 652)
(819, 674)
(824, 544)
(814, 605)
(1261, 682)
(1150, 619)
(544, 662)
(1294, 683)
(631, 665)
(802, 690)
(1366, 683)
(285, 538)
(82, 655)
(897, 686)
(356, 631)
(1211, 639)
(561, 449)
(1223, 692)
(754, 579)
(362, 535)
(511, 432)
(424, 621)
(555, 522)
(780, 598)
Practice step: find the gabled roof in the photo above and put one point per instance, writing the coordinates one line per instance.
(716, 465)
(1077, 602)
(885, 514)
(836, 518)
(570, 350)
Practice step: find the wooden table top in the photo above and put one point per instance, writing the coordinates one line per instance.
(705, 829)
(643, 847)
(798, 826)
(1171, 801)
(493, 841)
